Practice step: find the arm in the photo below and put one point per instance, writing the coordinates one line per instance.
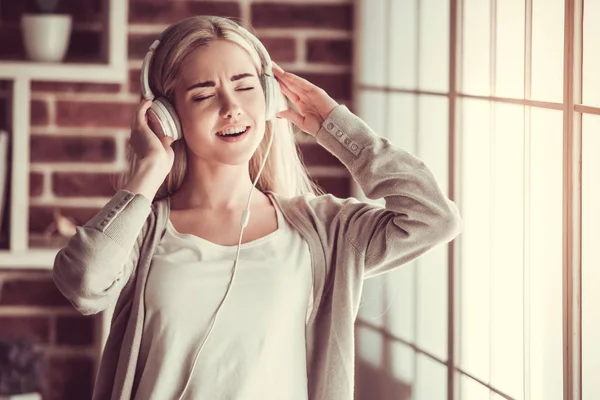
(417, 215)
(101, 257)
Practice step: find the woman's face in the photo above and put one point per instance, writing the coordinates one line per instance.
(219, 92)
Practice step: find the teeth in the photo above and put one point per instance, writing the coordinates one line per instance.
(231, 131)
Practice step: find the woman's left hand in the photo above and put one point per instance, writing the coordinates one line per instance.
(313, 103)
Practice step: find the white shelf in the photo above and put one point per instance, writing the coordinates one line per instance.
(67, 72)
(115, 71)
(30, 259)
(20, 254)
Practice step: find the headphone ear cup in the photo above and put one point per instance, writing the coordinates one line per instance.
(163, 119)
(272, 91)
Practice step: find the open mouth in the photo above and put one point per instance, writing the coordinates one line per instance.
(233, 136)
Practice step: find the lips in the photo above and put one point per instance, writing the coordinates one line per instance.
(233, 134)
(236, 137)
(235, 127)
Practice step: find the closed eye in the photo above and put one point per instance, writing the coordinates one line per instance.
(199, 99)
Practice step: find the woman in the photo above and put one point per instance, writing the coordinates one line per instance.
(165, 249)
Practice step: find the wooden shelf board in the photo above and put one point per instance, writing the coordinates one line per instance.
(31, 259)
(64, 72)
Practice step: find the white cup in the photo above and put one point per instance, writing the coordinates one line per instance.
(46, 36)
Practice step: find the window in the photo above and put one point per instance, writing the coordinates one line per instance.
(501, 99)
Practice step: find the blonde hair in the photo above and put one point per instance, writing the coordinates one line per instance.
(284, 172)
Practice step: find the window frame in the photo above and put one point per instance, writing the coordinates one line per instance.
(572, 111)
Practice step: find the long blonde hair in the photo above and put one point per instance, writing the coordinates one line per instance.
(284, 172)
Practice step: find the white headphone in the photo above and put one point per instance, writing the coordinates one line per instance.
(163, 118)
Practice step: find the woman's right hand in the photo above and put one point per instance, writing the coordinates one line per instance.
(148, 147)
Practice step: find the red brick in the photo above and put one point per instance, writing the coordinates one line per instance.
(280, 49)
(39, 113)
(314, 154)
(134, 81)
(32, 328)
(72, 149)
(329, 16)
(75, 87)
(171, 11)
(337, 186)
(24, 292)
(36, 184)
(40, 217)
(138, 45)
(332, 51)
(337, 85)
(77, 330)
(81, 184)
(87, 10)
(68, 377)
(94, 114)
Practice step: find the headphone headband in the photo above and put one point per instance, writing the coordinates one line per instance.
(145, 84)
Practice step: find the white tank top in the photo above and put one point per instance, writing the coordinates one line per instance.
(257, 348)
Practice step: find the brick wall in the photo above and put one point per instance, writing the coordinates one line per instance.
(79, 132)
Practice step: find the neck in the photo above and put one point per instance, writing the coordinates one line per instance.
(222, 188)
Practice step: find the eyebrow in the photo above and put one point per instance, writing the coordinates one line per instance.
(212, 83)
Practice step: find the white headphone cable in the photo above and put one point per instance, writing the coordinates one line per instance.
(243, 223)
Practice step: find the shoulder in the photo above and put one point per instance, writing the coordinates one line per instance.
(315, 209)
(159, 215)
(305, 202)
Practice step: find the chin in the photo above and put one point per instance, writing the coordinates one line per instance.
(240, 157)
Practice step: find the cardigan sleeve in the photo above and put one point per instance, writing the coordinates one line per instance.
(99, 259)
(417, 215)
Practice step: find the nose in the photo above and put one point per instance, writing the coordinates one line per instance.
(231, 107)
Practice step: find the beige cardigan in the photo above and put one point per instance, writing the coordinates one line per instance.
(109, 258)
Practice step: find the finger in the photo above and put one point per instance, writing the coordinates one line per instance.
(142, 108)
(294, 82)
(299, 99)
(293, 116)
(284, 84)
(297, 83)
(145, 104)
(277, 70)
(141, 119)
(294, 98)
(166, 141)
